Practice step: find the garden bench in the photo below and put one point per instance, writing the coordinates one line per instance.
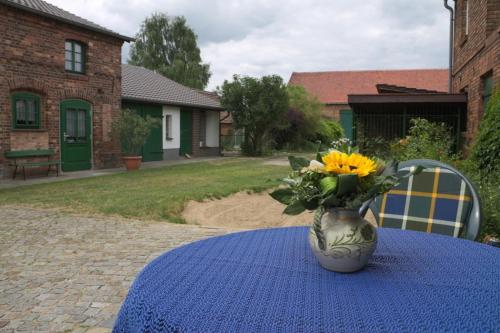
(24, 155)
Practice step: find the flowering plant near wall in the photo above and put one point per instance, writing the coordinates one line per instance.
(340, 177)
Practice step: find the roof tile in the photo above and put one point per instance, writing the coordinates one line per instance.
(333, 87)
(141, 84)
(46, 9)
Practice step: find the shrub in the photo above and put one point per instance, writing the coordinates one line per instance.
(426, 139)
(378, 146)
(133, 131)
(486, 150)
(482, 166)
(488, 187)
(303, 120)
(329, 131)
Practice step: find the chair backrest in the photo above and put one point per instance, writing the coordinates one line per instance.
(438, 200)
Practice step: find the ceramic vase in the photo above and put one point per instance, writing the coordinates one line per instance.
(342, 240)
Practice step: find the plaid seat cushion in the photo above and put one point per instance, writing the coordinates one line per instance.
(436, 201)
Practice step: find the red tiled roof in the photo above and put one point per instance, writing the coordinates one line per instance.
(333, 87)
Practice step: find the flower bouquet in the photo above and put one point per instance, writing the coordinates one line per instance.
(336, 184)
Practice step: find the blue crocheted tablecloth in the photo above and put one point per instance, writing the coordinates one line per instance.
(269, 281)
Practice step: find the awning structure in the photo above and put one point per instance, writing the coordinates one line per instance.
(388, 115)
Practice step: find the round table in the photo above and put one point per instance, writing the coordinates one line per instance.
(269, 281)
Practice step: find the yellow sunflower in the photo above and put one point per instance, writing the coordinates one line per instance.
(341, 163)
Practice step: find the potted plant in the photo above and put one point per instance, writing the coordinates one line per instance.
(133, 131)
(335, 184)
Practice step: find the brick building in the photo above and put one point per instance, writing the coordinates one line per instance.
(476, 49)
(333, 88)
(61, 87)
(60, 84)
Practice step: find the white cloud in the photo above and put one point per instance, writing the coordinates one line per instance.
(277, 37)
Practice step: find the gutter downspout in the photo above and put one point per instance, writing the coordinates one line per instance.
(452, 21)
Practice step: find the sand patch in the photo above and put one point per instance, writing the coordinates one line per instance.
(244, 211)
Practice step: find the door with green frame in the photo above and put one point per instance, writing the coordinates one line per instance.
(186, 132)
(153, 148)
(76, 135)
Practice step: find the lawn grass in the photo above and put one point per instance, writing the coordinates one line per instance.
(153, 194)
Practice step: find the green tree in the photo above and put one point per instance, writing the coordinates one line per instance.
(168, 45)
(306, 124)
(258, 106)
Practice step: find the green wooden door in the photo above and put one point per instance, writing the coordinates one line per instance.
(76, 135)
(347, 123)
(186, 132)
(153, 148)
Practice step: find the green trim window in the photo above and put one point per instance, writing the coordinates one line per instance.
(25, 110)
(74, 56)
(487, 89)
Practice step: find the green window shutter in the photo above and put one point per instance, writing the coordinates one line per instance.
(25, 111)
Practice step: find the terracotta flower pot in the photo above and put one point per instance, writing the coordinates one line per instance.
(132, 162)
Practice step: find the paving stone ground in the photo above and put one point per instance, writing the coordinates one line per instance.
(67, 273)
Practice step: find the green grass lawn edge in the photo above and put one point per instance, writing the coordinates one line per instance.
(150, 194)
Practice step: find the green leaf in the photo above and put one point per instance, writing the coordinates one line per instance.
(391, 168)
(290, 181)
(346, 184)
(418, 169)
(319, 156)
(310, 204)
(331, 201)
(298, 163)
(283, 195)
(318, 153)
(328, 185)
(295, 208)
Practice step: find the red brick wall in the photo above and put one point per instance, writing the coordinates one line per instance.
(32, 59)
(332, 111)
(476, 54)
(198, 151)
(20, 140)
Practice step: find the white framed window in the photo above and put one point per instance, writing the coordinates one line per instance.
(168, 127)
(203, 128)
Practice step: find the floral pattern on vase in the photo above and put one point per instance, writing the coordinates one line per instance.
(342, 240)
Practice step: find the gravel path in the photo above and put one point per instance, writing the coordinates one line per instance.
(69, 273)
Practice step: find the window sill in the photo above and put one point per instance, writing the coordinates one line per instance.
(29, 130)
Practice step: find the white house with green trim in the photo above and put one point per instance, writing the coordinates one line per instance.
(189, 117)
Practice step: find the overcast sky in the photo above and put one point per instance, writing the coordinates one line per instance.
(257, 37)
